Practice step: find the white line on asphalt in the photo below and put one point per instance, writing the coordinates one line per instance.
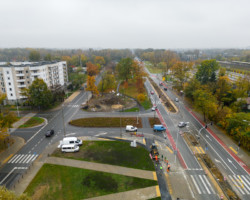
(30, 158)
(204, 184)
(245, 179)
(12, 158)
(27, 158)
(236, 184)
(244, 184)
(188, 184)
(20, 161)
(34, 158)
(7, 175)
(46, 122)
(198, 189)
(13, 161)
(209, 184)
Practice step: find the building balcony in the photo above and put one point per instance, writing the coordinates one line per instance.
(19, 75)
(21, 86)
(20, 80)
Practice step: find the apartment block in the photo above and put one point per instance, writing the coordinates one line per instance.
(17, 75)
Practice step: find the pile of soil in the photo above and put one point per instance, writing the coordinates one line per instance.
(108, 103)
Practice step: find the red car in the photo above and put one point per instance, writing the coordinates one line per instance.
(152, 92)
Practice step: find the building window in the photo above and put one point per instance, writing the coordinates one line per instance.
(28, 82)
(10, 89)
(9, 83)
(7, 72)
(27, 72)
(8, 78)
(11, 94)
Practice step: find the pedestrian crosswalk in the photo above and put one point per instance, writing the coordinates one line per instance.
(73, 106)
(23, 158)
(202, 184)
(242, 183)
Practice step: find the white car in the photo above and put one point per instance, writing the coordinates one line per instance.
(182, 124)
(154, 108)
(176, 99)
(131, 128)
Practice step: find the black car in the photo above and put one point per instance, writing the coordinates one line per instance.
(49, 133)
(165, 88)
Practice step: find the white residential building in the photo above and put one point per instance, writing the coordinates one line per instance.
(17, 75)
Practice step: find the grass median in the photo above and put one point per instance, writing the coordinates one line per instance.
(33, 121)
(111, 152)
(62, 182)
(106, 122)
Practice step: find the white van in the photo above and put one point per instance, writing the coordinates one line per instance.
(131, 128)
(70, 148)
(70, 140)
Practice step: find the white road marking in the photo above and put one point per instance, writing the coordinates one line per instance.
(197, 188)
(204, 184)
(209, 184)
(245, 186)
(27, 158)
(15, 158)
(30, 158)
(236, 184)
(12, 158)
(7, 175)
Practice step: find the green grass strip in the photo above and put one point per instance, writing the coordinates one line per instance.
(54, 182)
(111, 152)
(33, 121)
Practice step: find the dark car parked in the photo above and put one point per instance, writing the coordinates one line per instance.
(49, 133)
(165, 88)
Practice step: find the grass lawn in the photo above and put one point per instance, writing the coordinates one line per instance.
(156, 198)
(153, 121)
(153, 69)
(62, 182)
(106, 122)
(33, 121)
(132, 92)
(111, 152)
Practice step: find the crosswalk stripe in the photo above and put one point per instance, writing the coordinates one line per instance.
(202, 150)
(209, 184)
(245, 180)
(26, 158)
(237, 186)
(19, 158)
(12, 158)
(34, 158)
(15, 158)
(198, 189)
(204, 184)
(23, 158)
(244, 185)
(30, 158)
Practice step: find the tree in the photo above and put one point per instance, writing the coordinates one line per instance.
(224, 91)
(191, 87)
(38, 94)
(206, 103)
(92, 69)
(124, 68)
(206, 71)
(180, 71)
(169, 58)
(34, 55)
(99, 60)
(91, 85)
(9, 195)
(48, 57)
(107, 82)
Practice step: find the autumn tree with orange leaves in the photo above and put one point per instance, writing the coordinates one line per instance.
(92, 69)
(91, 85)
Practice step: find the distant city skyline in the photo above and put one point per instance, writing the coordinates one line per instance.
(100, 24)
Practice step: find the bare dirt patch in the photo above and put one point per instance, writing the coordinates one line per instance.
(109, 102)
(39, 192)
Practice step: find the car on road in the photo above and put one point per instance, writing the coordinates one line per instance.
(152, 92)
(176, 99)
(182, 124)
(159, 127)
(49, 133)
(154, 108)
(131, 128)
(165, 88)
(161, 83)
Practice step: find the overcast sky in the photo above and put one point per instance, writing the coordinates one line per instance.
(164, 24)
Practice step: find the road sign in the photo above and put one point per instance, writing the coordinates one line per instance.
(163, 78)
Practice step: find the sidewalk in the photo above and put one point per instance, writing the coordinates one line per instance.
(18, 141)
